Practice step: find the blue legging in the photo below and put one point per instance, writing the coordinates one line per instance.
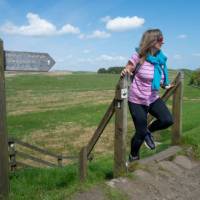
(139, 112)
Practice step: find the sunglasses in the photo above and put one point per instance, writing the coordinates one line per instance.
(160, 40)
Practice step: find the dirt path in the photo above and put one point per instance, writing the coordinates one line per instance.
(177, 178)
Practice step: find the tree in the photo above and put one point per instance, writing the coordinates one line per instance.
(111, 70)
(102, 70)
(195, 78)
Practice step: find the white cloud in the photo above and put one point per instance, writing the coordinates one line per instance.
(99, 34)
(196, 54)
(90, 62)
(38, 27)
(68, 28)
(111, 58)
(182, 36)
(177, 56)
(103, 57)
(95, 34)
(124, 23)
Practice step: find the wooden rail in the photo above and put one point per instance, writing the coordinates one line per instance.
(25, 155)
(106, 118)
(13, 153)
(85, 151)
(119, 107)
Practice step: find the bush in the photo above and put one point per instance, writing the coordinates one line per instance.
(101, 70)
(195, 78)
(111, 70)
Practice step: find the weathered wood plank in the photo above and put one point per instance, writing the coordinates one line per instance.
(33, 147)
(38, 149)
(4, 181)
(83, 164)
(120, 127)
(24, 155)
(24, 164)
(106, 118)
(27, 61)
(70, 157)
(161, 155)
(177, 110)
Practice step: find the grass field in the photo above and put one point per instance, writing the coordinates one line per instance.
(61, 113)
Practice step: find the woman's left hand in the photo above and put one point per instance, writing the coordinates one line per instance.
(169, 86)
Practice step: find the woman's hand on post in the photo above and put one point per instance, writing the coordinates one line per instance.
(167, 86)
(126, 70)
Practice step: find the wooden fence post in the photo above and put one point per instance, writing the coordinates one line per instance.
(12, 155)
(177, 110)
(59, 160)
(4, 181)
(83, 164)
(120, 127)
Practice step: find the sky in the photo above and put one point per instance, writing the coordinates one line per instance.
(90, 34)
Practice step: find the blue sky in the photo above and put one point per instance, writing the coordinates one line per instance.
(87, 35)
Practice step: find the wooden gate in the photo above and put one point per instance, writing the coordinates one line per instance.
(118, 107)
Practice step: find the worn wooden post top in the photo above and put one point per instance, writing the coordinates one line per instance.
(121, 91)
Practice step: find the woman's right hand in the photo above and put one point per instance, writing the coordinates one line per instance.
(126, 70)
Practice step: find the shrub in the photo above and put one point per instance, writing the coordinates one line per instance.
(195, 78)
(111, 70)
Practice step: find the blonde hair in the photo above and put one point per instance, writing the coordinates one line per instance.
(148, 40)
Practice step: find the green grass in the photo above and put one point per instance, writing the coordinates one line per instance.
(61, 183)
(75, 82)
(86, 115)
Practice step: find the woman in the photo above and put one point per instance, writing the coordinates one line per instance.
(144, 91)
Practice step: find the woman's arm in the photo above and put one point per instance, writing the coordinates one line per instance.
(129, 68)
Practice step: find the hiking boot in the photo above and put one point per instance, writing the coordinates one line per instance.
(131, 159)
(149, 140)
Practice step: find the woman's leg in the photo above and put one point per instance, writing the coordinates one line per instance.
(164, 118)
(139, 116)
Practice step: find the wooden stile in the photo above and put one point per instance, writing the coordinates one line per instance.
(119, 106)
